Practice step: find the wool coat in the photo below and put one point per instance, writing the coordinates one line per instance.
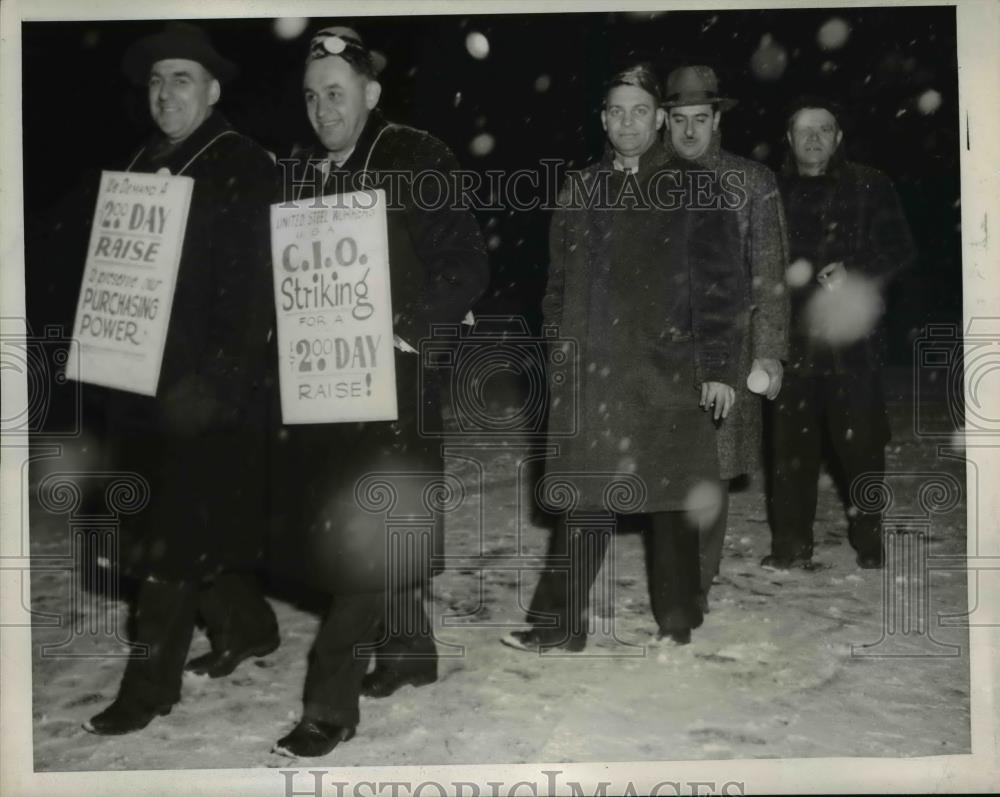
(200, 441)
(849, 214)
(764, 311)
(645, 302)
(348, 494)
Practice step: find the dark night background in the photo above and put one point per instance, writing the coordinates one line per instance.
(537, 93)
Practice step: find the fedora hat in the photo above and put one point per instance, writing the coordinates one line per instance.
(176, 40)
(338, 40)
(694, 85)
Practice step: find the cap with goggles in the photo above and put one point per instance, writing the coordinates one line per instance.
(346, 43)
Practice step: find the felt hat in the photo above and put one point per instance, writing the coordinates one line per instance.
(694, 85)
(176, 40)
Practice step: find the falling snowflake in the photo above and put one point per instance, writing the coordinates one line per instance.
(833, 34)
(482, 145)
(845, 314)
(929, 102)
(477, 45)
(770, 59)
(799, 273)
(703, 503)
(288, 28)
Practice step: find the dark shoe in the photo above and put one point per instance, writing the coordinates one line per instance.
(122, 717)
(535, 640)
(382, 683)
(802, 562)
(312, 738)
(219, 663)
(871, 561)
(681, 636)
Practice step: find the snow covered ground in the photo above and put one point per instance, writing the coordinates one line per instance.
(770, 675)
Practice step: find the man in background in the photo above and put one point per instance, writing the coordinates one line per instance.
(848, 237)
(694, 111)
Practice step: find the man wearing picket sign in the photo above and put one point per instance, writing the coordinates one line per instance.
(438, 267)
(198, 441)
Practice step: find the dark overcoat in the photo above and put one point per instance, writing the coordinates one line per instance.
(849, 214)
(763, 314)
(200, 441)
(644, 299)
(349, 493)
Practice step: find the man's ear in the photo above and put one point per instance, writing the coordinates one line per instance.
(661, 118)
(373, 91)
(840, 137)
(214, 92)
(716, 118)
(788, 136)
(604, 120)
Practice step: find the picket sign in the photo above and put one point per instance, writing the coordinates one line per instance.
(123, 311)
(334, 310)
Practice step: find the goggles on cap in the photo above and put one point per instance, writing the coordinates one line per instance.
(324, 44)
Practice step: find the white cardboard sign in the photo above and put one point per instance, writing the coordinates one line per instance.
(123, 312)
(333, 307)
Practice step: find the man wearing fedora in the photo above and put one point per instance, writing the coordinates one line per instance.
(199, 442)
(438, 268)
(694, 110)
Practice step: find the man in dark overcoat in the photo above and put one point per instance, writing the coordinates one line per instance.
(438, 267)
(694, 111)
(646, 287)
(200, 441)
(848, 237)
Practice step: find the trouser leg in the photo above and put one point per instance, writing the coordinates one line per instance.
(340, 656)
(573, 561)
(164, 619)
(858, 433)
(713, 538)
(794, 437)
(235, 611)
(675, 575)
(407, 644)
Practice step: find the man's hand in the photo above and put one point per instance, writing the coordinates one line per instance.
(717, 396)
(774, 371)
(831, 275)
